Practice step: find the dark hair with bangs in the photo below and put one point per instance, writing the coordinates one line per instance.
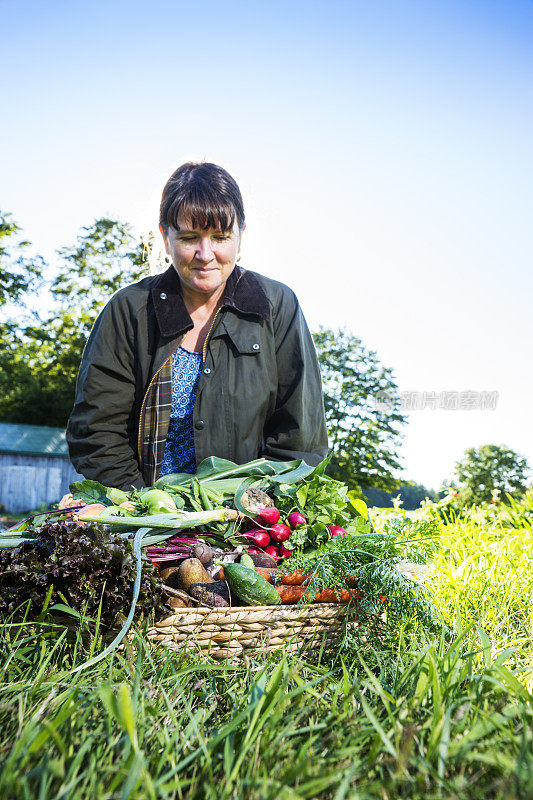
(205, 193)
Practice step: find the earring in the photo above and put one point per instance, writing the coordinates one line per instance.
(238, 258)
(167, 259)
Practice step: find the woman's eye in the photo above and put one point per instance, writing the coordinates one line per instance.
(220, 238)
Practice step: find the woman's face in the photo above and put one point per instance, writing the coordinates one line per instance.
(203, 259)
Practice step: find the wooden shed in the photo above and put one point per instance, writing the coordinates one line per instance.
(34, 466)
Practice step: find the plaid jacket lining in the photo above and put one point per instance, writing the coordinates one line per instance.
(155, 419)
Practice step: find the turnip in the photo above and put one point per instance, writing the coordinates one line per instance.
(279, 532)
(295, 518)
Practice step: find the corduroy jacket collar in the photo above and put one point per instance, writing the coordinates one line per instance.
(243, 293)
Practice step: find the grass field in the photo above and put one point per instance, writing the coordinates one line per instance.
(416, 715)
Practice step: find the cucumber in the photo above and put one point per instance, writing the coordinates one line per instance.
(247, 561)
(250, 587)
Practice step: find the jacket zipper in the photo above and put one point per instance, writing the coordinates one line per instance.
(204, 348)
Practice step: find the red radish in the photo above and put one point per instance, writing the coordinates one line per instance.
(284, 551)
(251, 533)
(295, 518)
(335, 530)
(256, 522)
(254, 551)
(279, 532)
(269, 515)
(272, 550)
(259, 538)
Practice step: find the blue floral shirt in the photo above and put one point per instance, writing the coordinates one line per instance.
(179, 453)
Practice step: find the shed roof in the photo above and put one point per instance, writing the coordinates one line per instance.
(33, 440)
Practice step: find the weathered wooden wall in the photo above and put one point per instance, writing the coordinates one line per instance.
(26, 481)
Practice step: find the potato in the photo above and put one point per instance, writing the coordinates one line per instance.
(192, 571)
(214, 594)
(178, 602)
(169, 575)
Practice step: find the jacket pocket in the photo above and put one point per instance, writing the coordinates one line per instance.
(245, 339)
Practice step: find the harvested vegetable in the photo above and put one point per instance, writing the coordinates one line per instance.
(180, 519)
(178, 602)
(250, 587)
(202, 552)
(295, 519)
(336, 530)
(295, 578)
(293, 594)
(285, 552)
(192, 571)
(261, 559)
(157, 501)
(268, 574)
(214, 594)
(80, 565)
(298, 578)
(247, 561)
(269, 516)
(255, 501)
(260, 538)
(290, 594)
(92, 510)
(279, 532)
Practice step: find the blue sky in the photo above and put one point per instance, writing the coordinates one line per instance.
(384, 152)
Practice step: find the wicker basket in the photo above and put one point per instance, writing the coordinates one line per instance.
(230, 633)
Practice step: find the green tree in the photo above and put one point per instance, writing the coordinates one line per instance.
(362, 406)
(39, 375)
(19, 272)
(490, 470)
(20, 275)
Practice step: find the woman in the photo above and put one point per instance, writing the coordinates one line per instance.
(204, 359)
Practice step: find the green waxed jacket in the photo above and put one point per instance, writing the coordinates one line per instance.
(259, 393)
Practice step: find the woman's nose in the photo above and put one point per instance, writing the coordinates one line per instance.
(204, 251)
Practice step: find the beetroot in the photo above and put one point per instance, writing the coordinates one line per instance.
(261, 559)
(295, 518)
(269, 515)
(336, 530)
(279, 532)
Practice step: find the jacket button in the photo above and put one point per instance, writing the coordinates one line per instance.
(200, 425)
(255, 346)
(163, 295)
(207, 371)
